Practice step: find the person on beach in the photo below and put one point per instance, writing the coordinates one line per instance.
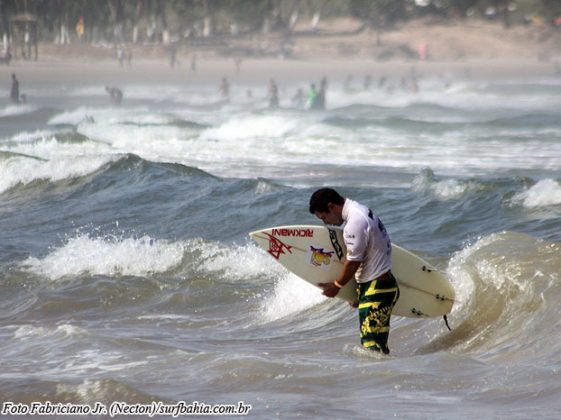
(238, 64)
(224, 89)
(298, 100)
(273, 94)
(173, 55)
(121, 56)
(194, 63)
(14, 91)
(320, 99)
(115, 95)
(312, 97)
(368, 262)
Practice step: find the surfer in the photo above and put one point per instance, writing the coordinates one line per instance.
(14, 91)
(312, 97)
(368, 262)
(115, 94)
(273, 94)
(224, 88)
(299, 99)
(320, 99)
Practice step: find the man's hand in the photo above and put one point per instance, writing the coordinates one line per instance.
(329, 289)
(349, 270)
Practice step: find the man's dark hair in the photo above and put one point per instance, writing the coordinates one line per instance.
(322, 197)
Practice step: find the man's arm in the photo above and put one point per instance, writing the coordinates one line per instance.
(349, 270)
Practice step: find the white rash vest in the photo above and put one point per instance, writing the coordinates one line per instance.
(366, 240)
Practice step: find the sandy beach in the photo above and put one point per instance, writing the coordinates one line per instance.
(476, 49)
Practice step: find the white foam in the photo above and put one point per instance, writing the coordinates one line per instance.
(74, 117)
(243, 143)
(40, 156)
(462, 280)
(290, 296)
(12, 110)
(495, 277)
(49, 147)
(545, 192)
(23, 170)
(393, 98)
(64, 330)
(270, 144)
(94, 360)
(449, 189)
(262, 126)
(111, 256)
(250, 261)
(362, 352)
(29, 136)
(91, 391)
(106, 115)
(152, 143)
(88, 390)
(27, 331)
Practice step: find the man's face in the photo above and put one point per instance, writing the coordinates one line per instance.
(331, 217)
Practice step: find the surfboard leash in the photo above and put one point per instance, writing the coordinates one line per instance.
(446, 322)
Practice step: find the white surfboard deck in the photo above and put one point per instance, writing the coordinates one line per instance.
(317, 253)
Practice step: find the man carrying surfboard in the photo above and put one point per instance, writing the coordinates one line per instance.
(368, 262)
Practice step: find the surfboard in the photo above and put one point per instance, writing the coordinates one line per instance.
(316, 254)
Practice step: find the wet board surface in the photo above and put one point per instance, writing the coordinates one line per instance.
(316, 254)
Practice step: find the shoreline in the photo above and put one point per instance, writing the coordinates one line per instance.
(259, 71)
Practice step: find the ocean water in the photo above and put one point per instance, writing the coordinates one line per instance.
(127, 273)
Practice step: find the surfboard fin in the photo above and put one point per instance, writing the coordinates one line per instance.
(446, 322)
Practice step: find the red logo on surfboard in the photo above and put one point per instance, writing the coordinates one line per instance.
(277, 247)
(304, 233)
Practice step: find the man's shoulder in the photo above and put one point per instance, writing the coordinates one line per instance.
(355, 209)
(356, 221)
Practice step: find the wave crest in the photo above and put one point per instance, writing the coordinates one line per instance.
(544, 193)
(110, 255)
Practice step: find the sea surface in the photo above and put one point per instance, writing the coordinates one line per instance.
(127, 273)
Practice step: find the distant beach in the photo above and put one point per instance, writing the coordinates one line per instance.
(476, 49)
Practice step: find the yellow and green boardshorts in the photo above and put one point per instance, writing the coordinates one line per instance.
(376, 300)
